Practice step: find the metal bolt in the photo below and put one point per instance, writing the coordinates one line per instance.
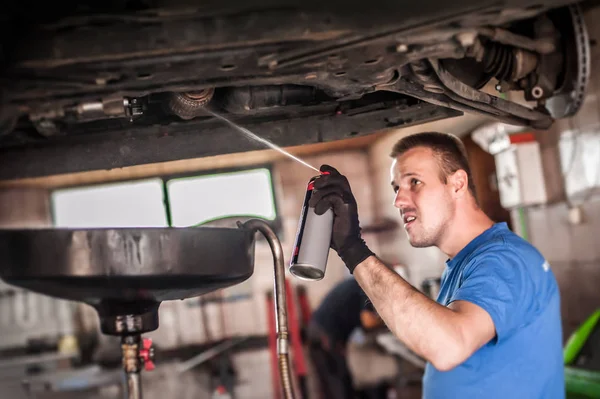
(401, 48)
(537, 92)
(467, 39)
(433, 89)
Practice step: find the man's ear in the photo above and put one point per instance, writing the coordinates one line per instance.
(459, 181)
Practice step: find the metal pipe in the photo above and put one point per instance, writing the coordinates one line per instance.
(130, 347)
(134, 385)
(280, 303)
(405, 86)
(541, 46)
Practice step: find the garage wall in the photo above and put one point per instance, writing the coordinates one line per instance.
(24, 315)
(24, 208)
(573, 253)
(572, 249)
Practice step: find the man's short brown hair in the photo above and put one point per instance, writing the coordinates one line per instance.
(448, 149)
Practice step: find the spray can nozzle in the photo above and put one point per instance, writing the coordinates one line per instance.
(325, 173)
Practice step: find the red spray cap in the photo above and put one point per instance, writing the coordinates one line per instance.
(311, 184)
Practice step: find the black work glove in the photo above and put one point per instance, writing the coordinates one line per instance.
(333, 191)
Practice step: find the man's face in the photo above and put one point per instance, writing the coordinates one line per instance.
(426, 204)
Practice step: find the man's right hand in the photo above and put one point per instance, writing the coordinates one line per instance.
(332, 191)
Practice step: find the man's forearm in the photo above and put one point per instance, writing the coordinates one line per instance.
(426, 327)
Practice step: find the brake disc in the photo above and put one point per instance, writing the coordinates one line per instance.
(569, 96)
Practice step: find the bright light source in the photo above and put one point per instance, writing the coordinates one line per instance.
(129, 204)
(195, 200)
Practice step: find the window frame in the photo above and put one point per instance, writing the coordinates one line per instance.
(106, 183)
(276, 224)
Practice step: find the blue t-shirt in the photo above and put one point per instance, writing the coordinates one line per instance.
(511, 280)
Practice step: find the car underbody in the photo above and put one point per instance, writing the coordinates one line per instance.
(100, 85)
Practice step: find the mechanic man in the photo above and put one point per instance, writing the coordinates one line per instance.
(344, 309)
(495, 331)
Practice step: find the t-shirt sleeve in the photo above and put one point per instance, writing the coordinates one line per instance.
(499, 283)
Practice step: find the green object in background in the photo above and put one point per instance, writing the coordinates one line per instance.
(523, 224)
(579, 337)
(581, 383)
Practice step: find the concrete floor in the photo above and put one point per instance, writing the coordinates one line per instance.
(253, 375)
(164, 382)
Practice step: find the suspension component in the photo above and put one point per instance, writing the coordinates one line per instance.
(507, 63)
(189, 105)
(134, 107)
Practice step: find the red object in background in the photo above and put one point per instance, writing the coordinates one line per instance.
(221, 389)
(147, 354)
(526, 137)
(299, 362)
(272, 335)
(305, 311)
(297, 350)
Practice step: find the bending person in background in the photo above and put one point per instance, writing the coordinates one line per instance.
(344, 309)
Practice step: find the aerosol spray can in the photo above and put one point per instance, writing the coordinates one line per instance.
(313, 238)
